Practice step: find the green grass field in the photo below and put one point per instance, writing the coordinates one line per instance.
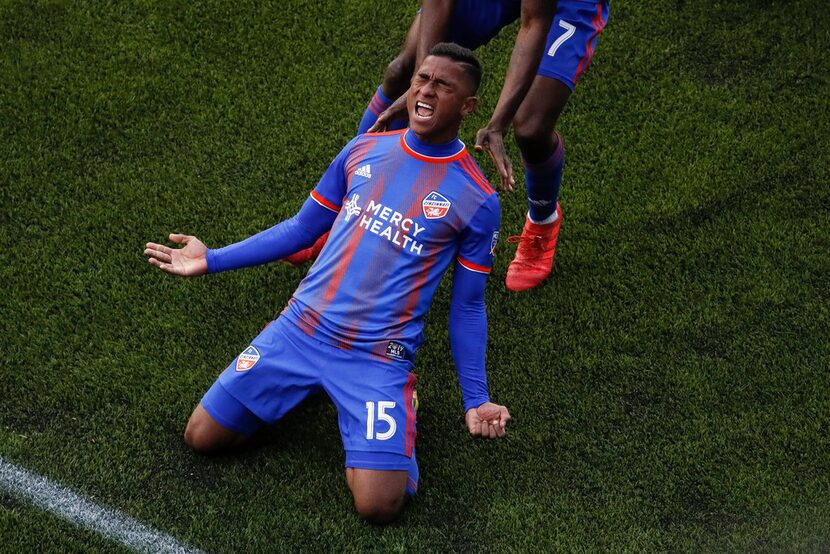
(669, 384)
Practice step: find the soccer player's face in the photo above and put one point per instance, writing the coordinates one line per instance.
(440, 96)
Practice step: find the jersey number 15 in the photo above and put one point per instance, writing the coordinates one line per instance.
(383, 405)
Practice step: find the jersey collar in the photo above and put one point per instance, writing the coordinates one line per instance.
(435, 153)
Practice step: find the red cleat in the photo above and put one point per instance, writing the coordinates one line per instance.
(308, 254)
(534, 256)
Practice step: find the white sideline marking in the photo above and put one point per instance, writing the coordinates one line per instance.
(72, 507)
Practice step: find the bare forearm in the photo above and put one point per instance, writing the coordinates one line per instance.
(527, 51)
(432, 29)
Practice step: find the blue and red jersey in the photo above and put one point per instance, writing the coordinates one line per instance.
(405, 211)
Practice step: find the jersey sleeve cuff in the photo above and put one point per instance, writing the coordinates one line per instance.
(317, 197)
(210, 258)
(467, 264)
(475, 402)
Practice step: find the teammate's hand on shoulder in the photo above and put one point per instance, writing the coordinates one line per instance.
(492, 141)
(488, 420)
(396, 111)
(188, 261)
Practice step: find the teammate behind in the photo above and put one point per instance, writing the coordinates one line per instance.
(553, 48)
(402, 206)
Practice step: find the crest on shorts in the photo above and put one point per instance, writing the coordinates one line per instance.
(248, 359)
(494, 242)
(435, 205)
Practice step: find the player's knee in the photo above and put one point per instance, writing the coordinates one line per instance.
(379, 513)
(531, 130)
(198, 437)
(379, 509)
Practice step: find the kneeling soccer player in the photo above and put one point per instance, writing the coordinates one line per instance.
(401, 206)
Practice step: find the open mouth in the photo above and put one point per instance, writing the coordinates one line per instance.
(424, 110)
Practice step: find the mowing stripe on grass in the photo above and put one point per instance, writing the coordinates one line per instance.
(72, 507)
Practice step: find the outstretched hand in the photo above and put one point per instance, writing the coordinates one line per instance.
(188, 261)
(493, 142)
(396, 111)
(488, 420)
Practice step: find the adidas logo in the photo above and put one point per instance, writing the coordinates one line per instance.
(364, 171)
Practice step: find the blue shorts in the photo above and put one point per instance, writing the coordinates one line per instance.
(283, 365)
(475, 22)
(571, 39)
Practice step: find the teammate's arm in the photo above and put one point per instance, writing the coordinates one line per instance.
(536, 19)
(396, 111)
(432, 29)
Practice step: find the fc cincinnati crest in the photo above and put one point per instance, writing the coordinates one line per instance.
(435, 206)
(247, 359)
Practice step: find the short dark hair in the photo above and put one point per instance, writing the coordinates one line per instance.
(463, 56)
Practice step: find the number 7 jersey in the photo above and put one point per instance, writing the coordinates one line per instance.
(406, 210)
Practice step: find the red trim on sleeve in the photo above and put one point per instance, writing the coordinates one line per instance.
(473, 267)
(376, 105)
(469, 166)
(323, 202)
